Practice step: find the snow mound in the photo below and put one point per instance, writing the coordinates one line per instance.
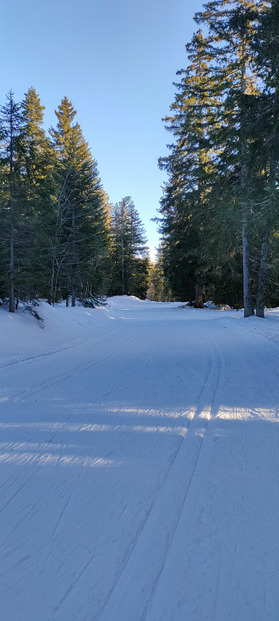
(23, 335)
(125, 301)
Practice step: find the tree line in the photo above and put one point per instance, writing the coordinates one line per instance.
(60, 238)
(219, 216)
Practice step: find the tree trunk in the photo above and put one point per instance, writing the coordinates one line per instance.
(73, 274)
(198, 296)
(73, 297)
(12, 273)
(122, 262)
(51, 293)
(262, 277)
(247, 293)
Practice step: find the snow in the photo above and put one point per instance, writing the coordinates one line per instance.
(139, 464)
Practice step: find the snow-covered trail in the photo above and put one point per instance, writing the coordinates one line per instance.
(139, 467)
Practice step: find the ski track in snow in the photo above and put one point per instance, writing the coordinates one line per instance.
(118, 605)
(64, 376)
(139, 468)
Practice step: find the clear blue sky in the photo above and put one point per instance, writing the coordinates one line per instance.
(116, 61)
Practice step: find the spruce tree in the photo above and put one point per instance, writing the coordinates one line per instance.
(11, 192)
(231, 26)
(80, 219)
(37, 161)
(190, 167)
(129, 250)
(266, 50)
(212, 202)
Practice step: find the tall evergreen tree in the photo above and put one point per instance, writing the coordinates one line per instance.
(11, 191)
(266, 50)
(190, 167)
(37, 162)
(232, 25)
(129, 250)
(214, 117)
(80, 219)
(159, 288)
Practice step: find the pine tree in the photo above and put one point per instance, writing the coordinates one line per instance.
(190, 167)
(80, 220)
(217, 176)
(11, 190)
(231, 27)
(129, 250)
(159, 288)
(266, 50)
(37, 162)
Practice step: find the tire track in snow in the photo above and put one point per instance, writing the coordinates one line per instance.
(47, 354)
(59, 522)
(19, 490)
(27, 515)
(134, 588)
(78, 343)
(48, 552)
(24, 394)
(209, 393)
(62, 377)
(73, 585)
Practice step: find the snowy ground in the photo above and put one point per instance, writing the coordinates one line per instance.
(139, 464)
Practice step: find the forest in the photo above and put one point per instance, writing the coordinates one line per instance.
(60, 237)
(219, 210)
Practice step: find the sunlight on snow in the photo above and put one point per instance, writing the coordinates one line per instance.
(49, 459)
(249, 414)
(73, 428)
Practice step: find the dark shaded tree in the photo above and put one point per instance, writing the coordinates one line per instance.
(11, 194)
(213, 208)
(129, 250)
(80, 239)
